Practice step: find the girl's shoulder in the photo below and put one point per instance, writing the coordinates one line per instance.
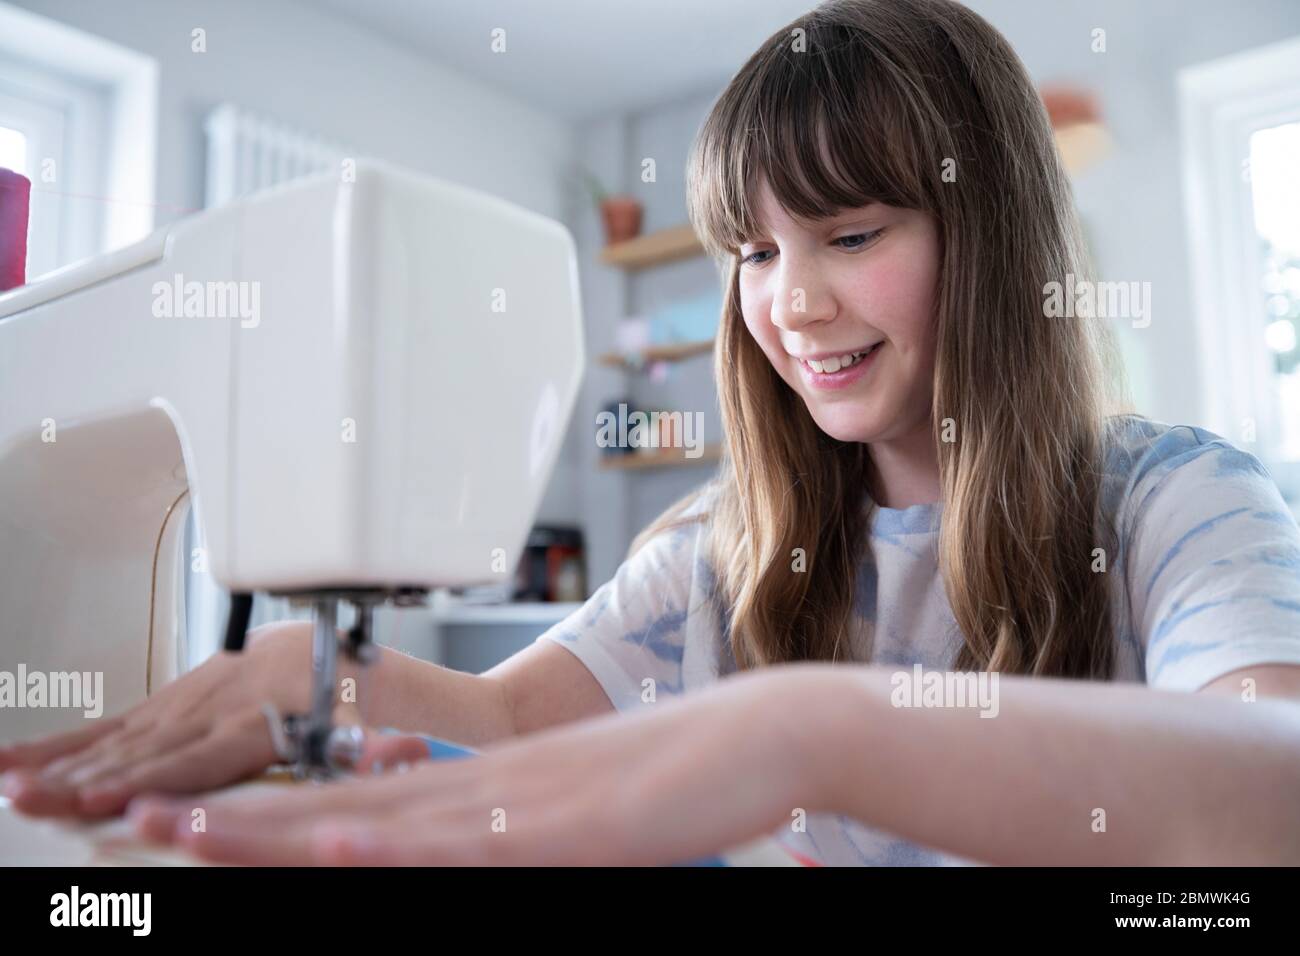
(1146, 458)
(637, 628)
(1209, 553)
(1135, 441)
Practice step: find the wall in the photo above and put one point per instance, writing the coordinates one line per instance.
(617, 503)
(1132, 204)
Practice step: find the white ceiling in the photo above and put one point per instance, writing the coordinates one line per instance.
(578, 59)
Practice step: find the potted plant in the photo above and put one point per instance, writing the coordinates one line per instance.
(620, 214)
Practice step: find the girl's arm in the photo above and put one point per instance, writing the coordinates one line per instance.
(540, 686)
(206, 729)
(1182, 778)
(1070, 772)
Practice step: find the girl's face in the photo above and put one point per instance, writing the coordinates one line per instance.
(844, 310)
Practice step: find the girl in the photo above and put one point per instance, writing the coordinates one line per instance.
(924, 473)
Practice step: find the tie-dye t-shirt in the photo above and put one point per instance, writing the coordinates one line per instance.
(1208, 557)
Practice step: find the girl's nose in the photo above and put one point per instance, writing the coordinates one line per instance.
(801, 300)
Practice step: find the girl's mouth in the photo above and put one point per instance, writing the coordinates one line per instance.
(820, 374)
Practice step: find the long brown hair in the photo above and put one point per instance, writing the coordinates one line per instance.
(918, 104)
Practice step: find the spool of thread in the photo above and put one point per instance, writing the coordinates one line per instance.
(15, 202)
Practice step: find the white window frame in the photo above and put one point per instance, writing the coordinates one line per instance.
(92, 107)
(64, 122)
(1222, 103)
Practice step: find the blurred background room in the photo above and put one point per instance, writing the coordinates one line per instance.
(1179, 121)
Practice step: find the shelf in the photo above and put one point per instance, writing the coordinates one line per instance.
(656, 353)
(653, 249)
(663, 458)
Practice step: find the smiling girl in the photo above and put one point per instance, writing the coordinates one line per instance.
(922, 469)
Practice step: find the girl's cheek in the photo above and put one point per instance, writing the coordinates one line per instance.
(768, 338)
(757, 312)
(900, 291)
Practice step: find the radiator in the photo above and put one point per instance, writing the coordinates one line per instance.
(247, 152)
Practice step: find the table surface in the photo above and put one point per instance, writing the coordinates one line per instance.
(25, 841)
(28, 842)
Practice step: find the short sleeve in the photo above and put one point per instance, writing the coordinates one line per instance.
(633, 629)
(1213, 563)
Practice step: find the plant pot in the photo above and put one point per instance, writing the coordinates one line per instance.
(622, 218)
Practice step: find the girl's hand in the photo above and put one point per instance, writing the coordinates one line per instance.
(204, 730)
(682, 780)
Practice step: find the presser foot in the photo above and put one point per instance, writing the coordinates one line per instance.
(320, 753)
(310, 742)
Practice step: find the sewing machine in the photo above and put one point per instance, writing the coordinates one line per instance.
(361, 382)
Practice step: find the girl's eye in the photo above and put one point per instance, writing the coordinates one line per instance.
(852, 243)
(858, 240)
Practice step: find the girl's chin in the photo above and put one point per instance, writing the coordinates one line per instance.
(850, 428)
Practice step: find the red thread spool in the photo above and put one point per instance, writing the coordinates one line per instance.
(15, 201)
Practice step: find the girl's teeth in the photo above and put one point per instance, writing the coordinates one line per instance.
(826, 366)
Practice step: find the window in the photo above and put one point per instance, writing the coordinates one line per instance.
(60, 122)
(1275, 193)
(79, 114)
(13, 150)
(1241, 150)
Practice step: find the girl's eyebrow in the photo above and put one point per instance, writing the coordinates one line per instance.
(863, 210)
(825, 222)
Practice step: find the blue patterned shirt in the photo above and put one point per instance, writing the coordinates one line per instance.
(1206, 580)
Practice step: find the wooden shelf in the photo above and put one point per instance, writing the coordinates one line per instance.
(653, 249)
(663, 458)
(657, 353)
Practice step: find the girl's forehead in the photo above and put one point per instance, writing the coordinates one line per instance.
(771, 214)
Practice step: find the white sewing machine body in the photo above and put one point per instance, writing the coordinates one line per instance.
(361, 385)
